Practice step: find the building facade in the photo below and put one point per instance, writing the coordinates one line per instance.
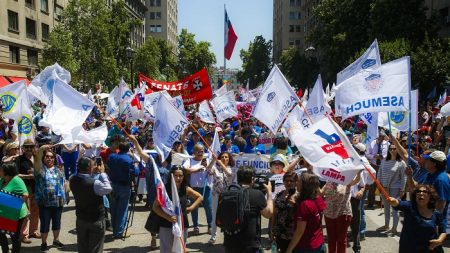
(161, 20)
(26, 30)
(287, 26)
(137, 9)
(441, 8)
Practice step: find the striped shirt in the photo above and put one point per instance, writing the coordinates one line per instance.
(389, 169)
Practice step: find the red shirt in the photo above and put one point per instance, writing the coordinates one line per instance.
(310, 211)
(104, 154)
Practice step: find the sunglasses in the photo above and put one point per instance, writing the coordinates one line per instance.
(49, 156)
(422, 191)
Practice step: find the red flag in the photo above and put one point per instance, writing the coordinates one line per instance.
(300, 93)
(194, 88)
(230, 37)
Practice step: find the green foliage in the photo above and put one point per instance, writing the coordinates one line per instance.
(256, 62)
(167, 63)
(193, 55)
(147, 59)
(301, 71)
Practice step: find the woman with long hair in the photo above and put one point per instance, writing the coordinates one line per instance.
(223, 176)
(391, 175)
(308, 234)
(424, 227)
(184, 191)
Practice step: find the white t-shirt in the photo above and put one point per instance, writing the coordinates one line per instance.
(198, 178)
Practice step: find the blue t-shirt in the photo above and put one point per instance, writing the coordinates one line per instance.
(249, 149)
(418, 231)
(121, 168)
(419, 173)
(233, 149)
(441, 183)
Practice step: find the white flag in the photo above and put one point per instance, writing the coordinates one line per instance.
(317, 107)
(178, 103)
(118, 98)
(79, 135)
(204, 113)
(150, 101)
(215, 146)
(42, 85)
(24, 124)
(169, 126)
(442, 99)
(333, 91)
(371, 120)
(325, 146)
(295, 121)
(369, 60)
(383, 89)
(225, 106)
(276, 100)
(400, 119)
(67, 109)
(11, 97)
(221, 91)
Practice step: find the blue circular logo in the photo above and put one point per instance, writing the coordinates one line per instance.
(25, 125)
(8, 102)
(397, 117)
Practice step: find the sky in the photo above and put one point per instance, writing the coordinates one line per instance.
(205, 19)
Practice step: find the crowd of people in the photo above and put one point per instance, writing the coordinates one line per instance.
(105, 180)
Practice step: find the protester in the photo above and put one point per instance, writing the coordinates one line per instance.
(50, 195)
(184, 191)
(90, 211)
(424, 227)
(12, 183)
(253, 147)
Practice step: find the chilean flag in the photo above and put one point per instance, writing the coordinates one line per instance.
(138, 98)
(230, 37)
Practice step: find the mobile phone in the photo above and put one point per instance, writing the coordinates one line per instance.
(204, 162)
(98, 160)
(272, 183)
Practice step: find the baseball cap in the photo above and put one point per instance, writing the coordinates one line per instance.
(436, 155)
(279, 158)
(228, 137)
(360, 147)
(28, 142)
(253, 135)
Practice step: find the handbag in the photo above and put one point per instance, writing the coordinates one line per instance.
(152, 224)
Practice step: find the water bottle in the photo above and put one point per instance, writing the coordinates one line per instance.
(274, 247)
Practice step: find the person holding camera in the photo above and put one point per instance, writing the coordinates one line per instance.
(248, 239)
(88, 193)
(201, 180)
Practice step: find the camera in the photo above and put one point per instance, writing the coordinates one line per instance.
(259, 181)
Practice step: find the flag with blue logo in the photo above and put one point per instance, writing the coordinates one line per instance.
(178, 103)
(168, 127)
(215, 146)
(369, 60)
(382, 89)
(24, 124)
(325, 146)
(400, 119)
(67, 108)
(11, 97)
(150, 101)
(42, 85)
(371, 120)
(119, 100)
(205, 114)
(275, 101)
(178, 243)
(225, 106)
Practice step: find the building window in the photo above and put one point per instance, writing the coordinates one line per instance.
(291, 42)
(44, 6)
(13, 21)
(291, 15)
(29, 4)
(158, 28)
(297, 42)
(298, 28)
(14, 54)
(58, 12)
(31, 28)
(45, 32)
(155, 3)
(294, 15)
(291, 28)
(294, 3)
(32, 57)
(158, 15)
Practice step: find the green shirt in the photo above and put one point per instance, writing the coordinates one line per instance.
(18, 187)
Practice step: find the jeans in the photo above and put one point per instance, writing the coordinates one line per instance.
(207, 204)
(120, 198)
(90, 236)
(215, 203)
(50, 213)
(70, 163)
(362, 225)
(337, 233)
(321, 249)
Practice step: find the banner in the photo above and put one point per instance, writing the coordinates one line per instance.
(10, 206)
(11, 97)
(266, 139)
(225, 106)
(369, 60)
(150, 101)
(276, 100)
(317, 107)
(400, 119)
(42, 85)
(371, 120)
(259, 162)
(295, 121)
(24, 124)
(383, 89)
(194, 88)
(325, 146)
(168, 127)
(205, 114)
(221, 91)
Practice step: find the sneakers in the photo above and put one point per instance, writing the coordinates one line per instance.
(58, 244)
(211, 241)
(26, 240)
(383, 229)
(44, 247)
(196, 231)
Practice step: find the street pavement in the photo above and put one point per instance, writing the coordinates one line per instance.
(139, 241)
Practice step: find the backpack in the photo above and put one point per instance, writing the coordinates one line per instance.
(233, 204)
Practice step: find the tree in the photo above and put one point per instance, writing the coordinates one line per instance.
(167, 65)
(301, 71)
(256, 62)
(193, 56)
(147, 59)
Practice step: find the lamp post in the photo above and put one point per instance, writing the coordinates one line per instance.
(130, 56)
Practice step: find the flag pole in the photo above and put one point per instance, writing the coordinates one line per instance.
(224, 40)
(113, 120)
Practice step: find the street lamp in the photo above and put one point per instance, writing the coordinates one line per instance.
(130, 56)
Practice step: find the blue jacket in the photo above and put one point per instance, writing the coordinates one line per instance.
(121, 169)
